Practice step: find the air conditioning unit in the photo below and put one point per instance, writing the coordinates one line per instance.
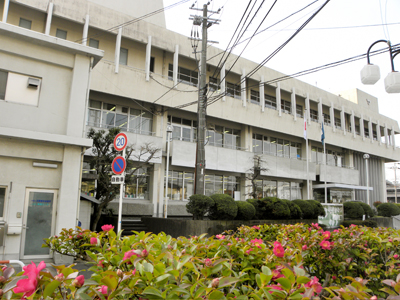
(33, 82)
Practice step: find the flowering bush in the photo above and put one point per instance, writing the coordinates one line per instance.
(260, 262)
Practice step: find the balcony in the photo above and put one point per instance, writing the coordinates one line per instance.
(338, 175)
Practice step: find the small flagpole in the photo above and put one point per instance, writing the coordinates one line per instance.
(323, 143)
(306, 137)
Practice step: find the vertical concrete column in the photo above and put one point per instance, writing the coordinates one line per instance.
(85, 31)
(161, 168)
(148, 58)
(223, 82)
(243, 88)
(307, 115)
(320, 115)
(175, 66)
(293, 103)
(343, 120)
(5, 10)
(378, 133)
(49, 17)
(362, 127)
(370, 131)
(278, 99)
(332, 116)
(118, 49)
(383, 194)
(262, 94)
(386, 136)
(393, 139)
(353, 124)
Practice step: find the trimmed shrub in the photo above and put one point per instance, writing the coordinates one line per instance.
(306, 207)
(367, 223)
(255, 203)
(377, 203)
(318, 208)
(353, 210)
(224, 208)
(369, 213)
(295, 211)
(246, 211)
(199, 206)
(388, 210)
(274, 209)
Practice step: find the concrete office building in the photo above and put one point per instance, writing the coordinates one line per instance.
(149, 74)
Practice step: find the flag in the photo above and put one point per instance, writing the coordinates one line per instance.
(305, 128)
(323, 134)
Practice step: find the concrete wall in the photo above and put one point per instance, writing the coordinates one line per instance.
(184, 227)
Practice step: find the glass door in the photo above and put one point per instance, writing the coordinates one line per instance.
(39, 220)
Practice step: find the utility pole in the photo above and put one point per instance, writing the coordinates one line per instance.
(206, 22)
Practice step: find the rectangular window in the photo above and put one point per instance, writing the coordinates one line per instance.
(214, 84)
(314, 115)
(94, 43)
(2, 200)
(184, 129)
(138, 188)
(299, 110)
(327, 119)
(270, 101)
(366, 132)
(62, 34)
(286, 107)
(283, 190)
(123, 56)
(184, 75)
(152, 60)
(338, 123)
(220, 136)
(255, 97)
(233, 90)
(24, 23)
(3, 84)
(257, 143)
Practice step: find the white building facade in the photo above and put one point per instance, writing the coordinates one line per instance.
(146, 80)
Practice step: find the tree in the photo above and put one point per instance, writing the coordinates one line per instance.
(254, 173)
(103, 155)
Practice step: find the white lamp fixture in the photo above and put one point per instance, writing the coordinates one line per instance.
(392, 82)
(370, 74)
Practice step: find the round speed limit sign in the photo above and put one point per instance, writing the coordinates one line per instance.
(120, 141)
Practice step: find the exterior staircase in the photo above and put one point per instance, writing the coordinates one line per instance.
(128, 225)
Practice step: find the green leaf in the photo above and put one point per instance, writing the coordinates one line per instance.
(216, 295)
(200, 292)
(49, 289)
(162, 277)
(299, 271)
(216, 269)
(265, 279)
(153, 292)
(110, 281)
(266, 270)
(285, 283)
(289, 275)
(228, 281)
(148, 267)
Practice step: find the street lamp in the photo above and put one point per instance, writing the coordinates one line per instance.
(366, 157)
(370, 74)
(169, 131)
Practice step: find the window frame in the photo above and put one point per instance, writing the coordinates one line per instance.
(61, 32)
(22, 20)
(123, 56)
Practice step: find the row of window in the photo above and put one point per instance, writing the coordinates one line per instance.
(281, 189)
(105, 115)
(276, 147)
(333, 158)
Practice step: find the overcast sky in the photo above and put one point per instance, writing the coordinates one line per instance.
(342, 29)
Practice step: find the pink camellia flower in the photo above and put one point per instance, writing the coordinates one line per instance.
(145, 252)
(352, 225)
(107, 228)
(334, 277)
(276, 274)
(220, 236)
(256, 227)
(128, 255)
(257, 242)
(208, 262)
(278, 249)
(28, 285)
(134, 272)
(304, 247)
(103, 289)
(374, 298)
(336, 231)
(78, 281)
(248, 251)
(59, 277)
(275, 287)
(215, 282)
(395, 256)
(100, 263)
(390, 240)
(326, 235)
(326, 245)
(315, 285)
(93, 241)
(316, 225)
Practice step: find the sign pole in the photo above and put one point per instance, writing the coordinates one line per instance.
(121, 190)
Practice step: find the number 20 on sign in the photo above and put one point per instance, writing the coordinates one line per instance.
(120, 141)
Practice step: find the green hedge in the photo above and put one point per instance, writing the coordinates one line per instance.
(307, 208)
(274, 209)
(367, 223)
(199, 206)
(353, 210)
(246, 211)
(369, 213)
(224, 208)
(388, 210)
(295, 210)
(255, 203)
(318, 208)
